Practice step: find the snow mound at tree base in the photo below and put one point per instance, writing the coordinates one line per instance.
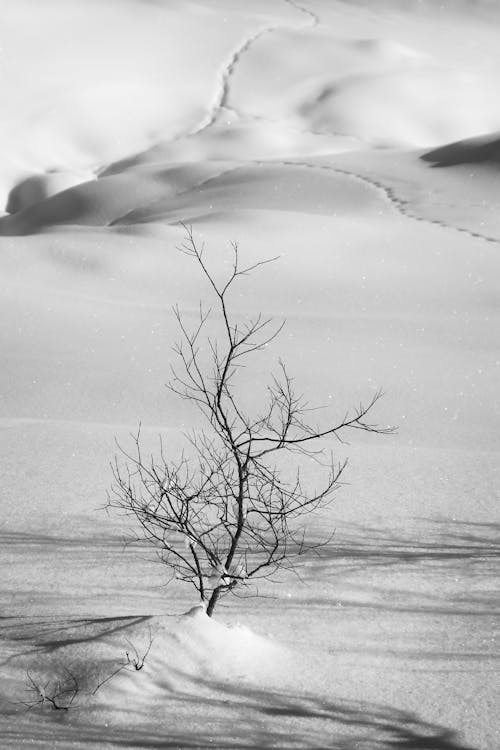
(192, 654)
(213, 649)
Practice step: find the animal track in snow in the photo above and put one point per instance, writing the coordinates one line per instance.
(315, 20)
(398, 203)
(221, 97)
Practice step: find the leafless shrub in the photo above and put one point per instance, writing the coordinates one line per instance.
(227, 512)
(134, 661)
(59, 693)
(62, 692)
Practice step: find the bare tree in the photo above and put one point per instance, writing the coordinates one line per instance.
(228, 511)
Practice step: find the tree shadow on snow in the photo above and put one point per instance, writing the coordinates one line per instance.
(201, 712)
(247, 718)
(45, 636)
(439, 550)
(444, 542)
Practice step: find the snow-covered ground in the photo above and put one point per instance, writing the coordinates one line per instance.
(359, 140)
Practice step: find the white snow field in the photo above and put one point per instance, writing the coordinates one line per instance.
(359, 141)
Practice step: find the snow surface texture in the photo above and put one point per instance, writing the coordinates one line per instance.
(359, 141)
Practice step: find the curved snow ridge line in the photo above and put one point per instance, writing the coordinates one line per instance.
(222, 93)
(398, 203)
(388, 193)
(196, 186)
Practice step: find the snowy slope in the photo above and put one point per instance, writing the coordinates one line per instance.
(357, 141)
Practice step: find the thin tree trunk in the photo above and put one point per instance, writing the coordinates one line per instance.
(213, 601)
